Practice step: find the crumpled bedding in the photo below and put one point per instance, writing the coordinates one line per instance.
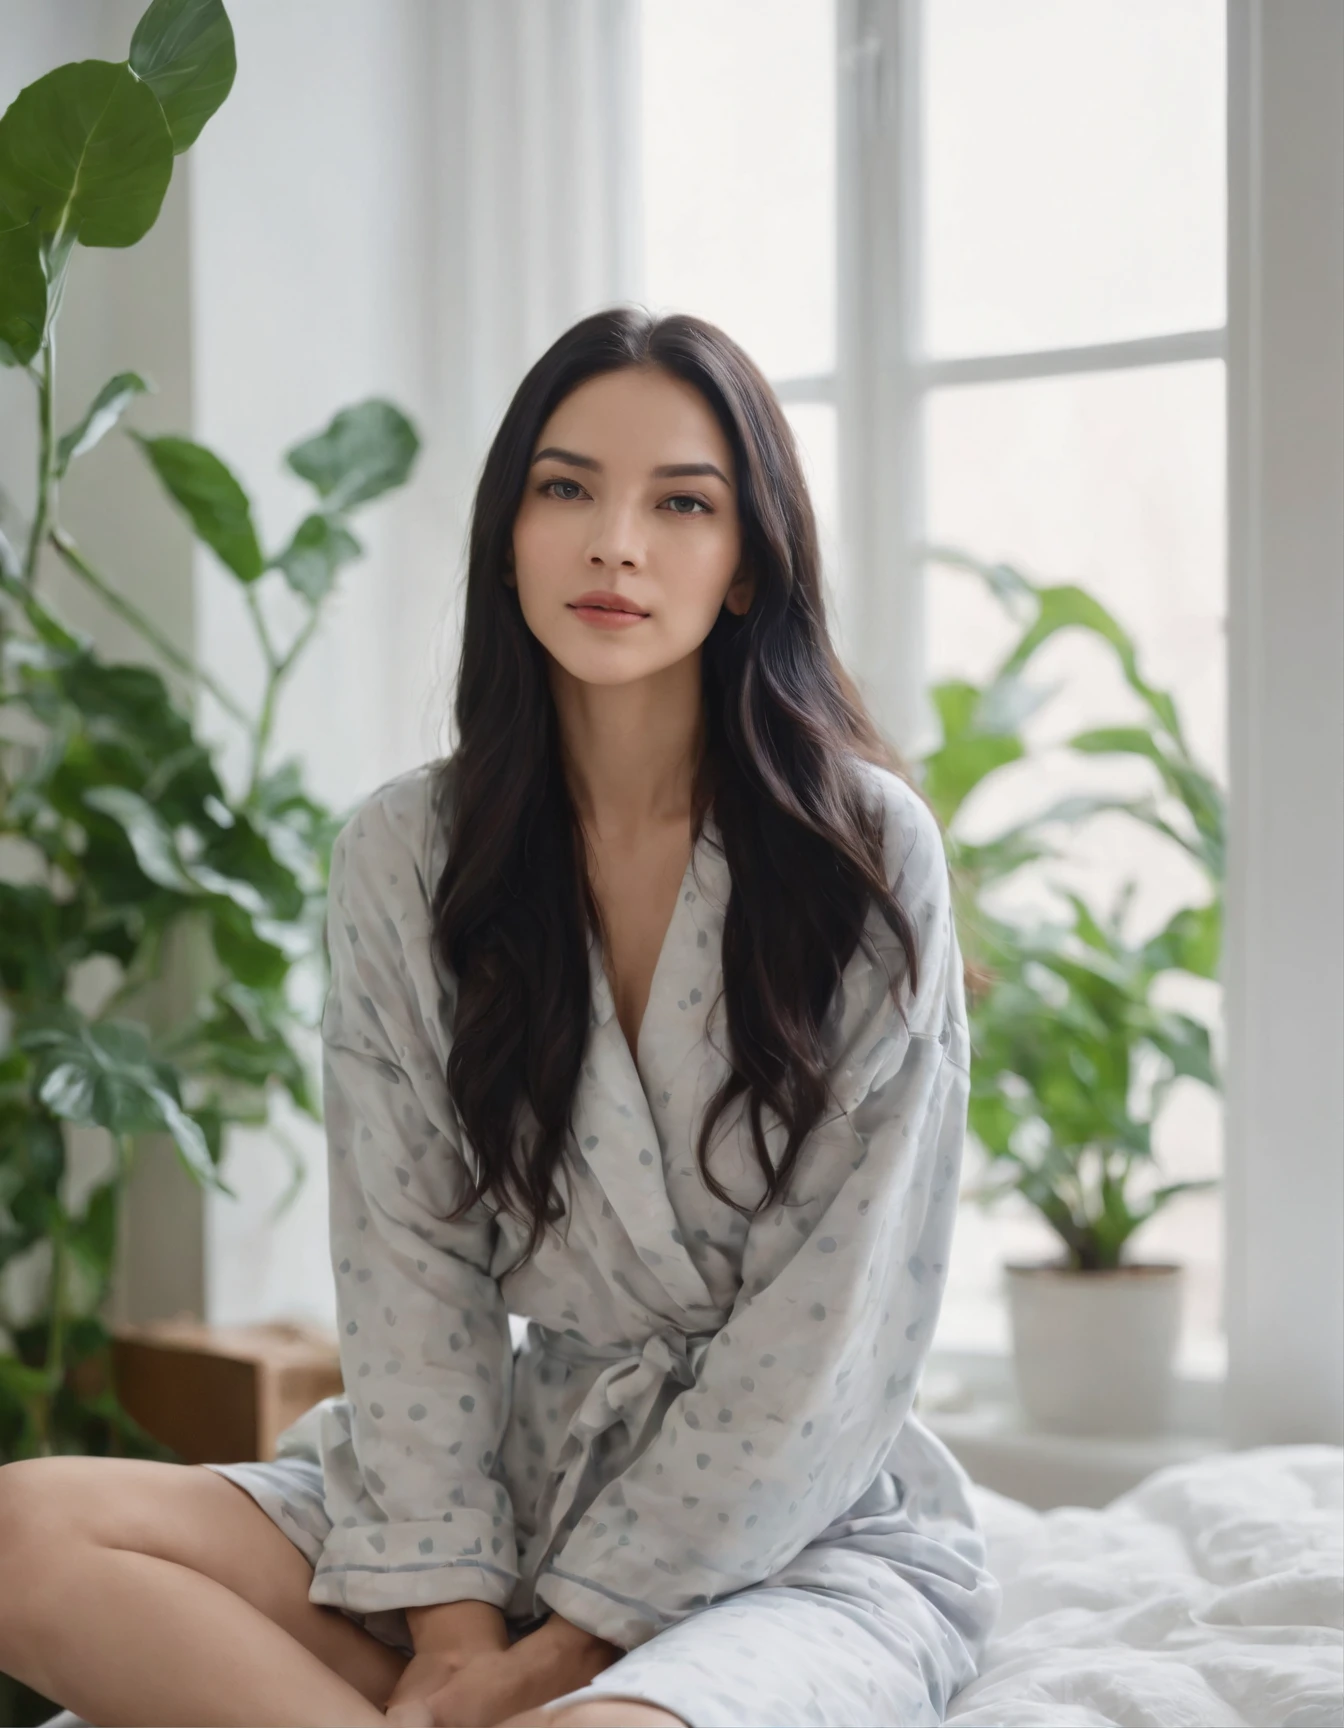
(1209, 1596)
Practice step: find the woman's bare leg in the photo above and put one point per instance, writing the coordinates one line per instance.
(134, 1592)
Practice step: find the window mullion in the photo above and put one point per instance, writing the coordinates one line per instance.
(879, 430)
(817, 387)
(1171, 348)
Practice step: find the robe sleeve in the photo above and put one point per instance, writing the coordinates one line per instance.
(801, 1395)
(426, 1355)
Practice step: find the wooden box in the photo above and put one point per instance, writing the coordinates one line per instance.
(222, 1394)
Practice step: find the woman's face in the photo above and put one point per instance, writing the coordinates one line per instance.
(654, 553)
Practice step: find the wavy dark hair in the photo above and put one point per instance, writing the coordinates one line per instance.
(513, 908)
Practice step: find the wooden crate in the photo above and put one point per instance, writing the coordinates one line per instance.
(222, 1394)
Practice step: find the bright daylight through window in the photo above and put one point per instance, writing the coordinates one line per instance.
(1071, 257)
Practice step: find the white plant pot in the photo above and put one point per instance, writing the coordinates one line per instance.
(1095, 1352)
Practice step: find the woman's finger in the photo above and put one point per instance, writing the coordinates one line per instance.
(412, 1713)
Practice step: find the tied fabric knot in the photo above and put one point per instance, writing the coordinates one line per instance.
(629, 1389)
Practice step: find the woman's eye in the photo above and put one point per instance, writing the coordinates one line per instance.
(679, 497)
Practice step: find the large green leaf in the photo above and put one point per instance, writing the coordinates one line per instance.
(213, 499)
(23, 293)
(365, 451)
(151, 839)
(130, 700)
(245, 950)
(240, 1040)
(110, 726)
(34, 930)
(1066, 606)
(1059, 607)
(22, 1381)
(1185, 1043)
(40, 1148)
(952, 773)
(236, 864)
(1191, 941)
(183, 49)
(104, 1074)
(1197, 791)
(242, 854)
(1010, 701)
(101, 416)
(87, 149)
(956, 701)
(315, 554)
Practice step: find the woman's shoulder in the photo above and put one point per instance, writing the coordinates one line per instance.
(919, 872)
(405, 818)
(912, 836)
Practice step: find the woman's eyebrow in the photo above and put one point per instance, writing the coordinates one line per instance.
(668, 470)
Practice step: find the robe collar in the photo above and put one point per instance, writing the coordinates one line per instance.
(629, 1165)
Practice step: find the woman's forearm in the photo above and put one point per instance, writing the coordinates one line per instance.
(563, 1636)
(464, 1625)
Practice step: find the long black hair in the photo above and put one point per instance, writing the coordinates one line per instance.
(783, 725)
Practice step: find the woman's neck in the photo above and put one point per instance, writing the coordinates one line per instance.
(631, 750)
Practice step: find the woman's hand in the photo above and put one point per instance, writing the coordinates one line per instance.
(446, 1635)
(410, 1703)
(474, 1689)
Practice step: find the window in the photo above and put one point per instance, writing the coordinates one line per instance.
(739, 207)
(982, 248)
(1072, 171)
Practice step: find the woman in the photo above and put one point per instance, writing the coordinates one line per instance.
(646, 1022)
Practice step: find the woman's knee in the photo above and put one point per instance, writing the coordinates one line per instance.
(34, 1542)
(53, 1509)
(34, 1508)
(49, 1507)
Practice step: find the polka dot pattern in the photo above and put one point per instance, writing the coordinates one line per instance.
(703, 1448)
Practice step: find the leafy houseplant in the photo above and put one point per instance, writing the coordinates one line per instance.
(1058, 1013)
(118, 838)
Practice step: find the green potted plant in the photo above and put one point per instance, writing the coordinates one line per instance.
(119, 840)
(1059, 1011)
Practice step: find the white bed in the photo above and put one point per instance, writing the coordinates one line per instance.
(1210, 1596)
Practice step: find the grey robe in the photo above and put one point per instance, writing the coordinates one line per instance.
(702, 1403)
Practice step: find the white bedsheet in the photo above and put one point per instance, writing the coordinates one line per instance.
(1210, 1596)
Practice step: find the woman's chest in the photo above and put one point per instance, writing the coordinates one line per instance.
(637, 888)
(644, 1237)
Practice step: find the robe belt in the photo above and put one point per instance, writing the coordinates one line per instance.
(629, 1389)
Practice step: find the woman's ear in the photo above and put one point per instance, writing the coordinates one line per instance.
(740, 595)
(509, 575)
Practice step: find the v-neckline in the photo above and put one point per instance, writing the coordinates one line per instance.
(658, 966)
(603, 982)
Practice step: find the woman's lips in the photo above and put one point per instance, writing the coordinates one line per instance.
(606, 620)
